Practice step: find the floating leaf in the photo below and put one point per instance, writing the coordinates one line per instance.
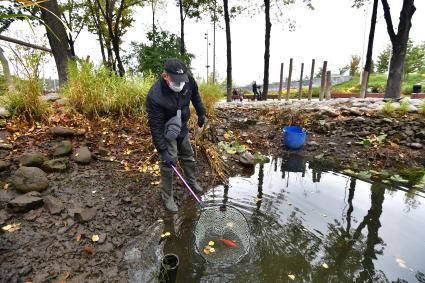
(325, 266)
(166, 234)
(212, 250)
(211, 243)
(324, 215)
(401, 262)
(95, 238)
(206, 251)
(291, 276)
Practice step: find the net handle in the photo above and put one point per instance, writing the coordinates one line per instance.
(200, 202)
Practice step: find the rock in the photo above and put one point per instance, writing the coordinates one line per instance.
(4, 216)
(56, 165)
(53, 205)
(332, 144)
(63, 148)
(51, 97)
(359, 119)
(31, 159)
(331, 112)
(387, 120)
(103, 151)
(62, 131)
(61, 102)
(85, 215)
(33, 214)
(247, 159)
(409, 132)
(416, 145)
(363, 133)
(82, 155)
(4, 113)
(312, 144)
(27, 179)
(25, 203)
(6, 146)
(4, 165)
(413, 109)
(355, 112)
(102, 238)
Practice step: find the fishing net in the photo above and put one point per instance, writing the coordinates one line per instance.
(222, 234)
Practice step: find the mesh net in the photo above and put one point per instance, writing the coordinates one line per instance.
(228, 228)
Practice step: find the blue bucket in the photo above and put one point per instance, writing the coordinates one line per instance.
(294, 137)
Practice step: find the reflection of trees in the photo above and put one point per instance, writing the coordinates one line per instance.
(292, 249)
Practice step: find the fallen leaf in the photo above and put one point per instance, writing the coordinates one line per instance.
(401, 262)
(11, 227)
(324, 215)
(325, 265)
(6, 186)
(95, 238)
(212, 250)
(166, 234)
(89, 250)
(78, 238)
(206, 251)
(291, 276)
(211, 243)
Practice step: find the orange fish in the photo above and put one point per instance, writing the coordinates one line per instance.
(229, 243)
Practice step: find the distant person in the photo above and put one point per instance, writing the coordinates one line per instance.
(235, 94)
(255, 90)
(241, 95)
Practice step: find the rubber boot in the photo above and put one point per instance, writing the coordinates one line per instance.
(189, 168)
(167, 189)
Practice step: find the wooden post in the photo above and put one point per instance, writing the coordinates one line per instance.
(300, 90)
(281, 81)
(328, 85)
(310, 85)
(288, 86)
(323, 81)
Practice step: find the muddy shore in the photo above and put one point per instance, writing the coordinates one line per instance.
(116, 193)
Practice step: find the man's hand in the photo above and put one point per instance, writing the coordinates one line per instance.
(201, 121)
(166, 158)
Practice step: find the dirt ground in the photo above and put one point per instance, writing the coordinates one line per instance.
(120, 190)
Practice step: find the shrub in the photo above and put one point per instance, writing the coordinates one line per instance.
(98, 92)
(210, 94)
(388, 108)
(26, 100)
(404, 107)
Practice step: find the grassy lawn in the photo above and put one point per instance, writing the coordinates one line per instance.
(377, 83)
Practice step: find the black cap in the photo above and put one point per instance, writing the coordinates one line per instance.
(177, 70)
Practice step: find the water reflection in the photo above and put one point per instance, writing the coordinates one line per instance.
(315, 224)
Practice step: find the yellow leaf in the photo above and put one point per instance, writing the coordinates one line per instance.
(211, 243)
(95, 238)
(291, 276)
(212, 250)
(206, 251)
(78, 238)
(11, 227)
(77, 154)
(166, 234)
(325, 265)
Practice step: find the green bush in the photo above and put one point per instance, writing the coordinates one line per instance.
(97, 92)
(210, 94)
(404, 107)
(26, 100)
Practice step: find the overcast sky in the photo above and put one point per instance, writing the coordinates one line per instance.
(333, 31)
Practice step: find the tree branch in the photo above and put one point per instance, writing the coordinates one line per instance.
(387, 16)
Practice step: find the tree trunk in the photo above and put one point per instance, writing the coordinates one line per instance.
(6, 70)
(368, 64)
(182, 47)
(267, 49)
(229, 50)
(58, 40)
(399, 45)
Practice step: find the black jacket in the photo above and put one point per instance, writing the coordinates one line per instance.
(161, 105)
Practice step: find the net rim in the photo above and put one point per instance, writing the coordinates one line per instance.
(208, 207)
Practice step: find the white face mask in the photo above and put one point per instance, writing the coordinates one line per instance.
(177, 87)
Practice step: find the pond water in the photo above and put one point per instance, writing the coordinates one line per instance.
(309, 224)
